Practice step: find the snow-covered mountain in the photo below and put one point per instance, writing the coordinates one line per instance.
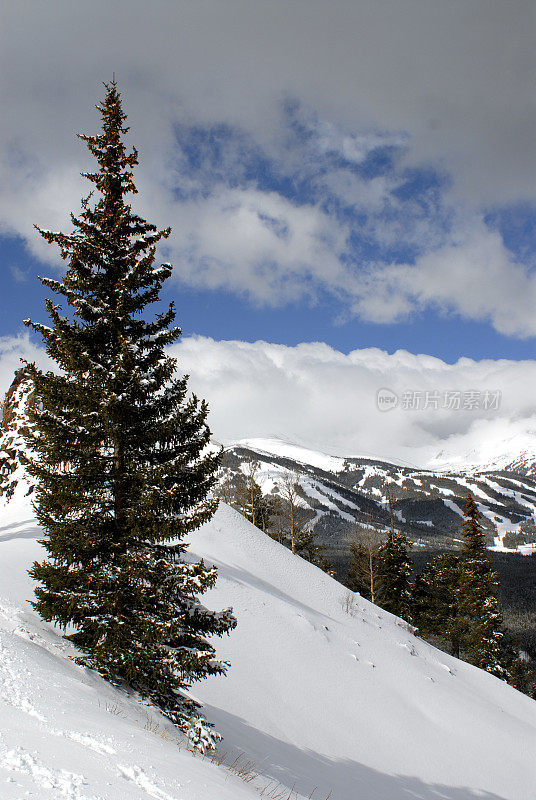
(325, 690)
(513, 452)
(427, 504)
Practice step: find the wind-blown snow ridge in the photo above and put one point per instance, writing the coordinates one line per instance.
(324, 690)
(515, 453)
(296, 452)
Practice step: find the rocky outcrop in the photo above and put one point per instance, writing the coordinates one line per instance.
(13, 430)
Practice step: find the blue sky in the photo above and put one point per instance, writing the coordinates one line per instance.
(223, 315)
(321, 184)
(411, 214)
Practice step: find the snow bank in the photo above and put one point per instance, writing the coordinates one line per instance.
(325, 690)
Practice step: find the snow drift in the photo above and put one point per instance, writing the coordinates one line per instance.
(325, 690)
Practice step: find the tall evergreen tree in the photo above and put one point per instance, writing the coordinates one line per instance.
(456, 601)
(394, 573)
(479, 614)
(120, 455)
(436, 600)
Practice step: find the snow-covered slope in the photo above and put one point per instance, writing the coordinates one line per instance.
(325, 690)
(504, 445)
(512, 449)
(294, 452)
(65, 733)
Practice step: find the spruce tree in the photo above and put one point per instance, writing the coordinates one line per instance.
(120, 454)
(479, 613)
(394, 575)
(436, 600)
(394, 572)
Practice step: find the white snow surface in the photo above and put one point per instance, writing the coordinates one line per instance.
(507, 445)
(488, 453)
(285, 449)
(324, 690)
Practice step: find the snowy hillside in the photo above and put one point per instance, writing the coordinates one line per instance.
(512, 449)
(293, 452)
(325, 690)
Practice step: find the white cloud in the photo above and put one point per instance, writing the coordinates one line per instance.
(451, 82)
(319, 397)
(475, 277)
(12, 350)
(354, 147)
(275, 251)
(371, 195)
(457, 77)
(257, 243)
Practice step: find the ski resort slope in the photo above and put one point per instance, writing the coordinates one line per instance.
(324, 690)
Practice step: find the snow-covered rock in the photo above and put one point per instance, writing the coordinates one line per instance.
(14, 425)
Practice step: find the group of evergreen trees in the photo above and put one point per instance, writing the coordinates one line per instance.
(380, 568)
(119, 455)
(454, 601)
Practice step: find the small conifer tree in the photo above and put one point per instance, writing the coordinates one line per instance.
(394, 571)
(120, 455)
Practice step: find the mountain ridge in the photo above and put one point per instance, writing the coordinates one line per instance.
(427, 504)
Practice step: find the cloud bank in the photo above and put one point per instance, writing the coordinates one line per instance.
(319, 397)
(316, 396)
(298, 150)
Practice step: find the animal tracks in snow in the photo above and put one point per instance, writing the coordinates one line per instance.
(68, 784)
(11, 689)
(87, 741)
(140, 779)
(410, 648)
